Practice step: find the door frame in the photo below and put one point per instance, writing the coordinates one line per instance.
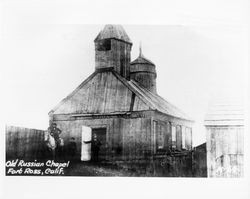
(108, 141)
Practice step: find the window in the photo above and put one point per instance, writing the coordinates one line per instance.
(178, 137)
(183, 137)
(167, 142)
(188, 138)
(173, 130)
(160, 137)
(104, 45)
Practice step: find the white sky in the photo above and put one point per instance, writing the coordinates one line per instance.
(199, 48)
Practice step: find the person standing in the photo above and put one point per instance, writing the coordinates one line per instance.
(55, 133)
(72, 148)
(95, 148)
(60, 148)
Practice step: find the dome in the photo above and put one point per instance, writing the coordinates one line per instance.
(143, 72)
(142, 64)
(142, 60)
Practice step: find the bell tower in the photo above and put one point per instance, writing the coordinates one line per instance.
(112, 50)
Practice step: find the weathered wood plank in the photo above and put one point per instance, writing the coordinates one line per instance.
(224, 156)
(107, 88)
(23, 142)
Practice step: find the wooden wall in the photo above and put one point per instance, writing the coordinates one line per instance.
(137, 134)
(173, 166)
(165, 123)
(133, 135)
(145, 79)
(200, 161)
(23, 143)
(104, 93)
(118, 57)
(225, 146)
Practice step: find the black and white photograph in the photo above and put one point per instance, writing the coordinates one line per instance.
(152, 93)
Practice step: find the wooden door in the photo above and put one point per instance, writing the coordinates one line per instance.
(86, 144)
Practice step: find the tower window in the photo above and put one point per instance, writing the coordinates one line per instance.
(104, 45)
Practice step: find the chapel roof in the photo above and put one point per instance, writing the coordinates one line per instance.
(151, 100)
(113, 31)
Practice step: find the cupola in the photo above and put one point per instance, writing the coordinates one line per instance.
(142, 70)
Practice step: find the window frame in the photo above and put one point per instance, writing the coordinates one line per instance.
(173, 136)
(183, 137)
(159, 137)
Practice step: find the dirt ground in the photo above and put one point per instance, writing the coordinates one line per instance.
(94, 169)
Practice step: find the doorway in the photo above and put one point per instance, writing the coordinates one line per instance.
(99, 135)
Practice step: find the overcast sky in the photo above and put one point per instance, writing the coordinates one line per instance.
(200, 52)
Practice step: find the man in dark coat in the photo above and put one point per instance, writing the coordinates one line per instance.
(55, 132)
(72, 147)
(95, 148)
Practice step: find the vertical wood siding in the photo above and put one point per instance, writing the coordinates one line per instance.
(103, 94)
(135, 137)
(132, 135)
(225, 151)
(24, 143)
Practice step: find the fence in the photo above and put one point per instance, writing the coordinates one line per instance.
(24, 143)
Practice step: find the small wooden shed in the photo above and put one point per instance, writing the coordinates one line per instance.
(120, 104)
(224, 124)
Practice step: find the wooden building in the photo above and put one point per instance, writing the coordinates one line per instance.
(120, 104)
(225, 139)
(200, 160)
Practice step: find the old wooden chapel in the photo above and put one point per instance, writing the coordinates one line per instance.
(119, 102)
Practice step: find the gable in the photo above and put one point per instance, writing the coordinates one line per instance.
(101, 93)
(105, 91)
